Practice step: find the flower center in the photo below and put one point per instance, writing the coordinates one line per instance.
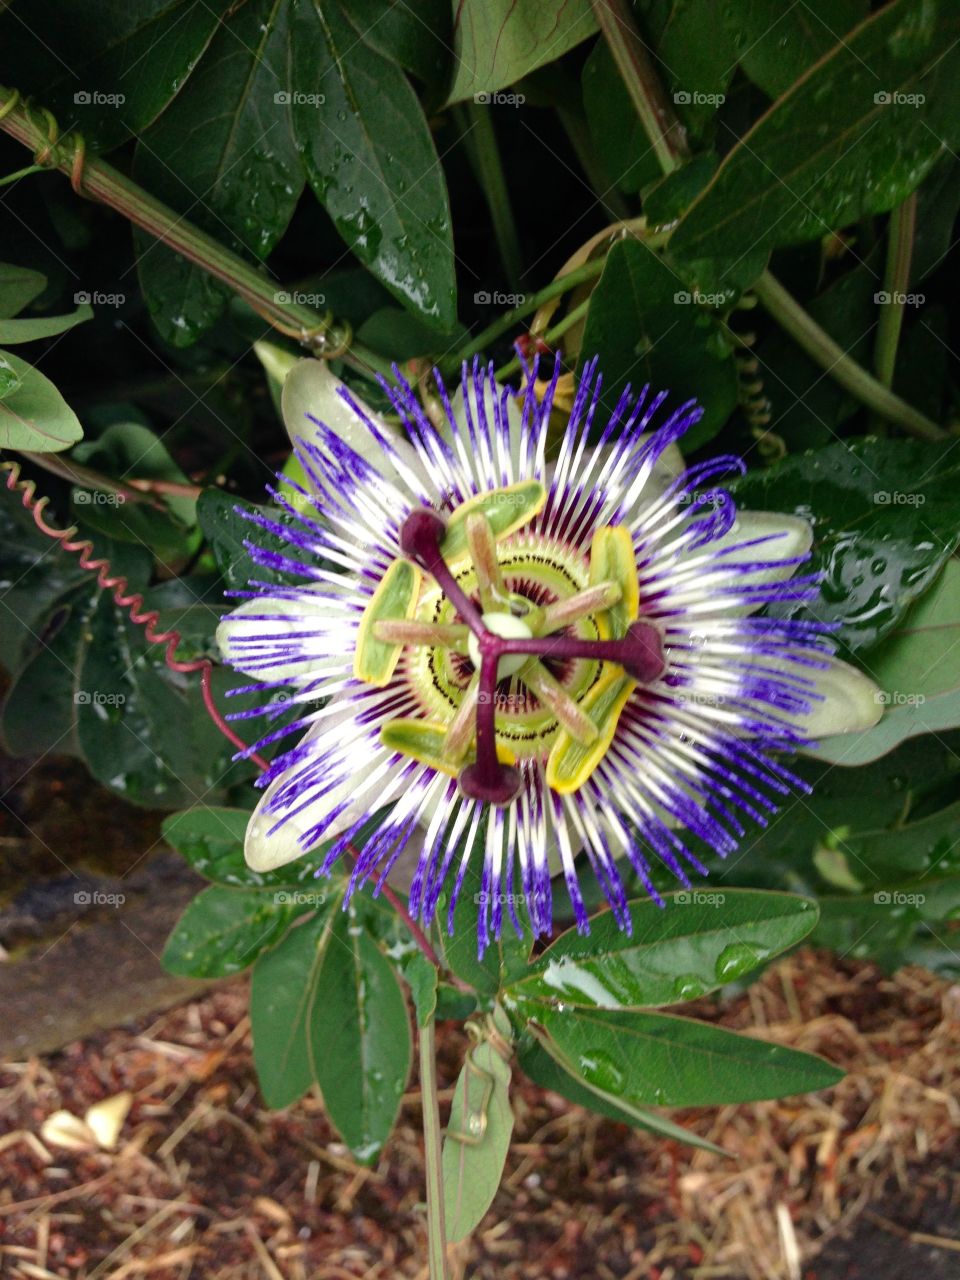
(489, 639)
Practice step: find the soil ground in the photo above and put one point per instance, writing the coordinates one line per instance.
(859, 1181)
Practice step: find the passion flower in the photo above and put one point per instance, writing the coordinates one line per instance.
(523, 650)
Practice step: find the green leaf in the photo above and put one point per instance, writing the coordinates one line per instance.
(886, 516)
(9, 378)
(14, 331)
(477, 1140)
(227, 139)
(422, 979)
(360, 1037)
(370, 159)
(417, 38)
(919, 672)
(33, 413)
(226, 533)
(698, 69)
(653, 1058)
(618, 137)
(18, 288)
(702, 940)
(549, 1074)
(497, 42)
(646, 327)
(779, 43)
(105, 68)
(831, 150)
(283, 995)
(938, 201)
(211, 840)
(223, 931)
(127, 451)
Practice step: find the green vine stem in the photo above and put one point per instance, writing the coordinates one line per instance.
(818, 344)
(436, 1226)
(896, 281)
(667, 135)
(532, 302)
(90, 176)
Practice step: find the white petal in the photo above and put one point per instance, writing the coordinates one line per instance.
(273, 616)
(311, 389)
(786, 537)
(851, 702)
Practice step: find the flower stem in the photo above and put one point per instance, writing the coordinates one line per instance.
(100, 181)
(480, 140)
(667, 135)
(533, 302)
(436, 1226)
(818, 344)
(896, 281)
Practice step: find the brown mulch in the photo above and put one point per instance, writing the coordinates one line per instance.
(206, 1183)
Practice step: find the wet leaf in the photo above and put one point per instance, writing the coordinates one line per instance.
(223, 154)
(779, 44)
(854, 136)
(646, 328)
(706, 937)
(223, 931)
(886, 516)
(656, 1059)
(370, 159)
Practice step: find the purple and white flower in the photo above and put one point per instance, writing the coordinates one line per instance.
(524, 649)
